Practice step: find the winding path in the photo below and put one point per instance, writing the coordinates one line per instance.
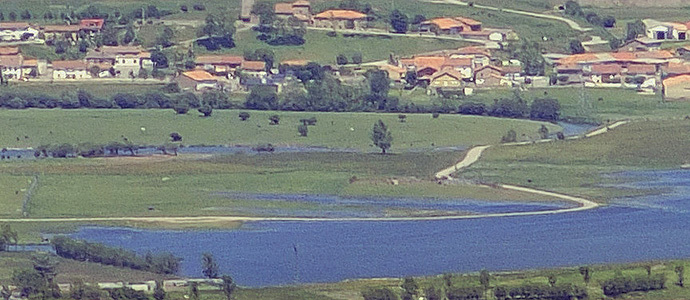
(470, 158)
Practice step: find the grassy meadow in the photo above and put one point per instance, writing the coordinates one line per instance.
(190, 186)
(579, 167)
(321, 48)
(34, 127)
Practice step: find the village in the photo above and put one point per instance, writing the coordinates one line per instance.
(639, 64)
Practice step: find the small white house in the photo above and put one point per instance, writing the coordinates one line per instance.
(70, 69)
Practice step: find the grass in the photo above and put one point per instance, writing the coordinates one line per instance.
(579, 167)
(98, 90)
(615, 104)
(321, 48)
(337, 130)
(12, 194)
(72, 271)
(187, 187)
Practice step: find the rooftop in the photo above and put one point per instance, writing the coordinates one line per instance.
(199, 75)
(61, 28)
(676, 80)
(69, 64)
(253, 65)
(340, 14)
(219, 59)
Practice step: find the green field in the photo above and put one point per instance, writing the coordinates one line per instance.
(36, 127)
(578, 167)
(321, 48)
(599, 105)
(98, 90)
(188, 186)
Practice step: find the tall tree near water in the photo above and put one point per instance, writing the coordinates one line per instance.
(210, 267)
(381, 137)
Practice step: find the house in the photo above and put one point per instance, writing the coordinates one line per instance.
(512, 72)
(253, 68)
(124, 60)
(219, 64)
(299, 10)
(443, 26)
(341, 19)
(395, 73)
(604, 73)
(70, 69)
(91, 26)
(676, 88)
(673, 69)
(568, 73)
(33, 68)
(274, 83)
(17, 31)
(11, 66)
(446, 79)
(658, 30)
(197, 80)
(641, 44)
(53, 33)
(488, 76)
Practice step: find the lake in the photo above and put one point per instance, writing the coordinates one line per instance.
(277, 253)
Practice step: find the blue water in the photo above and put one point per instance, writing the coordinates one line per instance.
(264, 252)
(337, 206)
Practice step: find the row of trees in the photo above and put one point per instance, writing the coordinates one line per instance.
(541, 291)
(164, 263)
(626, 284)
(544, 109)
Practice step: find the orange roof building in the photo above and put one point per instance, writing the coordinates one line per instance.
(341, 14)
(256, 66)
(219, 60)
(69, 65)
(677, 87)
(61, 28)
(91, 24)
(9, 50)
(199, 75)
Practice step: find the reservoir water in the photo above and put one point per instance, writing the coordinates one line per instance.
(275, 253)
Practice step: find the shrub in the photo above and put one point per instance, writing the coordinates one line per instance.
(274, 119)
(264, 148)
(509, 137)
(175, 137)
(621, 285)
(545, 109)
(472, 108)
(303, 129)
(435, 115)
(206, 110)
(199, 7)
(244, 116)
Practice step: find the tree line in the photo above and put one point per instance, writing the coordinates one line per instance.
(164, 263)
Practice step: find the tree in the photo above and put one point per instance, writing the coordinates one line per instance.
(83, 46)
(209, 265)
(341, 59)
(484, 279)
(433, 293)
(680, 272)
(29, 282)
(529, 53)
(546, 109)
(576, 47)
(181, 108)
(608, 21)
(8, 237)
(543, 132)
(13, 16)
(160, 61)
(206, 110)
(379, 294)
(129, 35)
(175, 137)
(165, 38)
(194, 291)
(274, 119)
(381, 137)
(398, 21)
(228, 286)
(379, 84)
(410, 289)
(357, 58)
(586, 274)
(509, 137)
(634, 29)
(261, 98)
(109, 35)
(26, 15)
(573, 8)
(159, 292)
(303, 130)
(244, 116)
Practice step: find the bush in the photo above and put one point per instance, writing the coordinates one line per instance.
(303, 129)
(126, 100)
(264, 148)
(206, 110)
(175, 137)
(341, 59)
(472, 108)
(184, 8)
(509, 108)
(309, 122)
(545, 109)
(181, 108)
(462, 293)
(563, 78)
(244, 116)
(642, 283)
(435, 115)
(274, 119)
(199, 7)
(509, 137)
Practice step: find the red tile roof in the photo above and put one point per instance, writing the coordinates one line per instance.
(253, 65)
(301, 3)
(468, 21)
(70, 64)
(9, 50)
(676, 80)
(30, 63)
(14, 61)
(219, 60)
(199, 75)
(283, 8)
(450, 73)
(13, 25)
(641, 69)
(676, 68)
(340, 14)
(446, 23)
(91, 23)
(606, 69)
(61, 28)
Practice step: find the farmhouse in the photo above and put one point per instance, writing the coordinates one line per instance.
(222, 65)
(665, 30)
(341, 19)
(253, 68)
(53, 33)
(125, 60)
(298, 10)
(70, 69)
(11, 66)
(197, 80)
(677, 88)
(447, 79)
(17, 31)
